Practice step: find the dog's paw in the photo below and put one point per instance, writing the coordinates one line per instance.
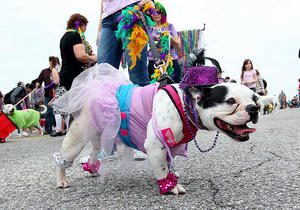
(64, 183)
(25, 134)
(176, 174)
(178, 189)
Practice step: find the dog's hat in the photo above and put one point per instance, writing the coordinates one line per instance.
(199, 76)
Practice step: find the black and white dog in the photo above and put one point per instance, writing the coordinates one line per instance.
(225, 107)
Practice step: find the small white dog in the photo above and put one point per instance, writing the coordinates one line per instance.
(27, 118)
(263, 101)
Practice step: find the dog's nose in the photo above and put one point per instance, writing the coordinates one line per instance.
(251, 109)
(253, 112)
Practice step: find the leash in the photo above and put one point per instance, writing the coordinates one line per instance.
(20, 101)
(154, 50)
(158, 62)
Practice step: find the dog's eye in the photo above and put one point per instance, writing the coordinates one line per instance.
(231, 101)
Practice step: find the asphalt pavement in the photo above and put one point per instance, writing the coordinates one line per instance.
(262, 173)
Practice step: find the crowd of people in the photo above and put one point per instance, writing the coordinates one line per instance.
(77, 55)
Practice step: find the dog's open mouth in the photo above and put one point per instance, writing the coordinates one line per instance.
(238, 132)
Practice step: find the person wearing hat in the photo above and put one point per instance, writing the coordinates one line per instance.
(162, 26)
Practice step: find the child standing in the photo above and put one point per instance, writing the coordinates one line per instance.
(248, 75)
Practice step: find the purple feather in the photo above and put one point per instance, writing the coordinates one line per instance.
(77, 24)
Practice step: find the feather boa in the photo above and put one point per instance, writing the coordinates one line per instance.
(131, 32)
(164, 48)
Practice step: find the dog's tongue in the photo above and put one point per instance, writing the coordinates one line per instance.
(239, 130)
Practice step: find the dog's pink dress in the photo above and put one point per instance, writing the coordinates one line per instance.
(101, 86)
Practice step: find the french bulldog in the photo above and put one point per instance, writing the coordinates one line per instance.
(226, 107)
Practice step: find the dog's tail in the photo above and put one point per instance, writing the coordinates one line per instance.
(43, 109)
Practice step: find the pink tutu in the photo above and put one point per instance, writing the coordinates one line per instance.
(96, 87)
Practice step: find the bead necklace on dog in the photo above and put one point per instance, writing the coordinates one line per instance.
(191, 114)
(190, 111)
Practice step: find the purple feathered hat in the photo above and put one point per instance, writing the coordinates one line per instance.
(199, 76)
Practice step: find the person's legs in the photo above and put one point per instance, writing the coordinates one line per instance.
(139, 74)
(67, 119)
(58, 122)
(63, 124)
(109, 48)
(60, 126)
(49, 115)
(177, 71)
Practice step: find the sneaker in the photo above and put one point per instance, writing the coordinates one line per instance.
(54, 134)
(47, 132)
(138, 155)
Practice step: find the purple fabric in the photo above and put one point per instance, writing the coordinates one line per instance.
(141, 113)
(141, 110)
(249, 76)
(180, 149)
(221, 80)
(199, 76)
(156, 33)
(112, 6)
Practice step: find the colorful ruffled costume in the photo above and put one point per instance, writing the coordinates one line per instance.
(131, 30)
(117, 107)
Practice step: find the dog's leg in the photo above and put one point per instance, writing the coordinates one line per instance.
(93, 164)
(73, 144)
(39, 127)
(157, 156)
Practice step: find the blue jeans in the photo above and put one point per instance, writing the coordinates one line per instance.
(110, 51)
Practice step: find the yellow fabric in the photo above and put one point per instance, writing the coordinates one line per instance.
(147, 6)
(138, 40)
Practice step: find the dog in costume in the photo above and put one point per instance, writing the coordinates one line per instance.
(268, 104)
(27, 118)
(157, 121)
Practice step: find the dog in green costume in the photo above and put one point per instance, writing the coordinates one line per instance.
(27, 118)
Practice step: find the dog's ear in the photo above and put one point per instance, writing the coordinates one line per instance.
(199, 93)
